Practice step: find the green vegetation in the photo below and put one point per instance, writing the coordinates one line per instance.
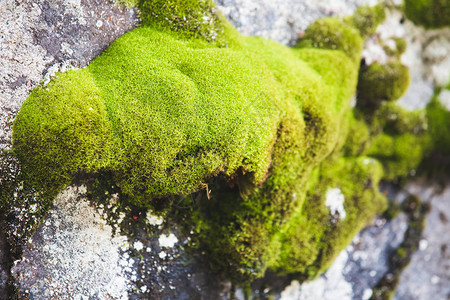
(331, 33)
(379, 82)
(366, 19)
(429, 13)
(402, 140)
(246, 135)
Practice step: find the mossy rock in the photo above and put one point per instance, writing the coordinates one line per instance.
(335, 34)
(366, 19)
(400, 139)
(168, 111)
(357, 179)
(428, 13)
(382, 82)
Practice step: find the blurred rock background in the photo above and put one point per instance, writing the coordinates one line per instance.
(75, 254)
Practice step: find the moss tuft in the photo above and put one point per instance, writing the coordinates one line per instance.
(429, 13)
(400, 48)
(313, 223)
(331, 33)
(366, 19)
(402, 141)
(190, 19)
(439, 123)
(382, 82)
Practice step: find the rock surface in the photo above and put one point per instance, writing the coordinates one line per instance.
(74, 254)
(38, 39)
(283, 21)
(428, 275)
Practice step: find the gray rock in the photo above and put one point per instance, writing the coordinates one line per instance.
(73, 254)
(428, 274)
(38, 39)
(283, 21)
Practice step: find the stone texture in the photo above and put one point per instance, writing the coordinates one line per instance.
(283, 21)
(428, 274)
(73, 254)
(38, 39)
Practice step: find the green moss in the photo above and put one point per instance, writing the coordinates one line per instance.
(313, 224)
(331, 33)
(168, 110)
(400, 48)
(190, 19)
(382, 82)
(439, 124)
(402, 141)
(366, 19)
(358, 137)
(392, 119)
(429, 13)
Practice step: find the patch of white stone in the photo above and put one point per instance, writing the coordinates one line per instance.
(330, 286)
(444, 98)
(168, 241)
(335, 202)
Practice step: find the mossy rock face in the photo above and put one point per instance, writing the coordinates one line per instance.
(429, 13)
(379, 82)
(168, 111)
(314, 224)
(402, 140)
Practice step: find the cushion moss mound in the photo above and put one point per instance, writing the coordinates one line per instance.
(167, 110)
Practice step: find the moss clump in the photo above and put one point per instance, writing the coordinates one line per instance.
(401, 140)
(366, 19)
(358, 137)
(190, 19)
(439, 123)
(429, 13)
(167, 110)
(313, 223)
(379, 82)
(331, 33)
(400, 48)
(439, 130)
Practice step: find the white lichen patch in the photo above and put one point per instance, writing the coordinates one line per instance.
(335, 202)
(138, 246)
(330, 286)
(154, 220)
(75, 254)
(444, 98)
(373, 52)
(167, 241)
